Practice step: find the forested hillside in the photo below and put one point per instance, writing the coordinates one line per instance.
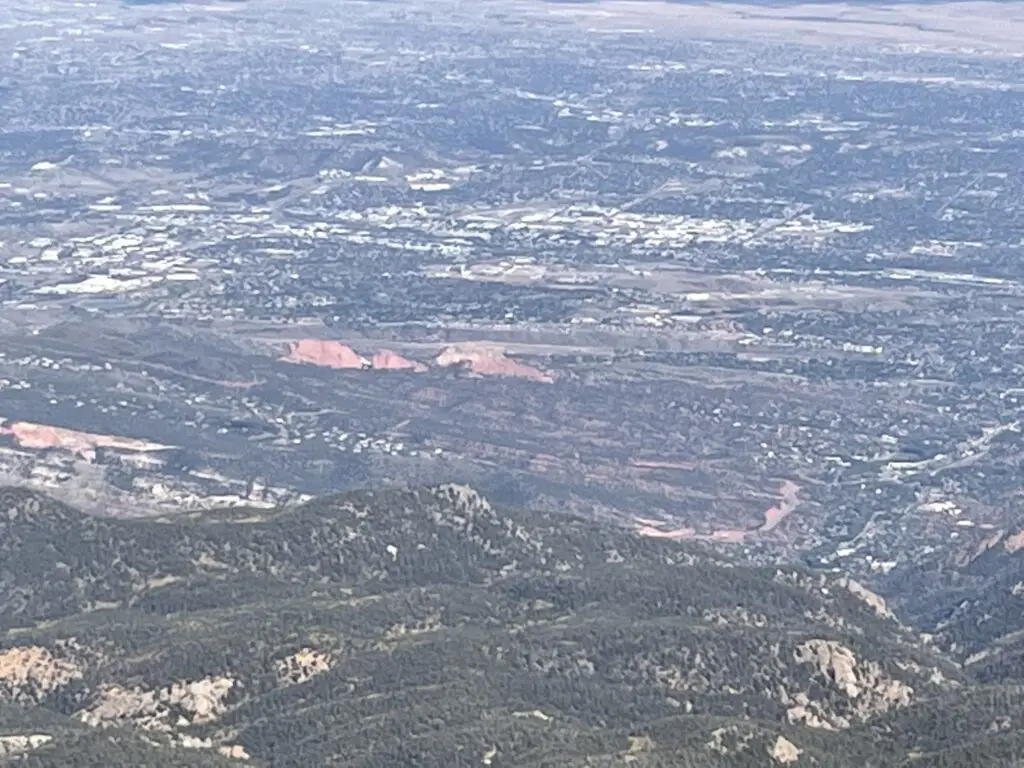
(429, 628)
(979, 621)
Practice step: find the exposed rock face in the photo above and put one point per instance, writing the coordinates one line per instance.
(28, 673)
(302, 666)
(386, 360)
(464, 497)
(30, 435)
(333, 354)
(1014, 542)
(234, 752)
(329, 354)
(866, 686)
(481, 359)
(163, 709)
(865, 595)
(489, 361)
(785, 751)
(812, 714)
(834, 661)
(18, 744)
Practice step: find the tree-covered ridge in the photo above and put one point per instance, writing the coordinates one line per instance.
(429, 628)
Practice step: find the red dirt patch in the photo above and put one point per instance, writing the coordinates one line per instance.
(330, 354)
(657, 533)
(773, 516)
(386, 360)
(777, 513)
(487, 361)
(39, 436)
(730, 535)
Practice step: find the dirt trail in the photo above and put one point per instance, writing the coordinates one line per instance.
(773, 516)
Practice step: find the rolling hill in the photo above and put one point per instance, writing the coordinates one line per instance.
(430, 628)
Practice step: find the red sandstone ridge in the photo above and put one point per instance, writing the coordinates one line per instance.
(487, 361)
(330, 354)
(386, 360)
(39, 436)
(333, 354)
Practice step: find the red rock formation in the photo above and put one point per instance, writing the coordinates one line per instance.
(487, 361)
(330, 354)
(387, 360)
(39, 436)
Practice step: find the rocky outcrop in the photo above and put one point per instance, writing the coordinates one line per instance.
(302, 666)
(485, 360)
(812, 714)
(29, 672)
(834, 662)
(386, 360)
(480, 359)
(464, 498)
(784, 751)
(178, 705)
(233, 752)
(330, 354)
(1014, 542)
(333, 354)
(864, 684)
(19, 744)
(866, 596)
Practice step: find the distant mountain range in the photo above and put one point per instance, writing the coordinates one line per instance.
(179, 2)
